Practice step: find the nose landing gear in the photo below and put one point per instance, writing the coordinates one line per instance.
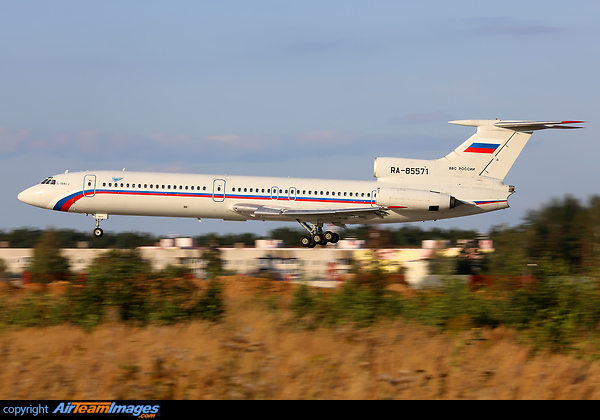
(99, 217)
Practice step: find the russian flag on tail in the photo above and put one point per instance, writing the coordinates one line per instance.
(482, 148)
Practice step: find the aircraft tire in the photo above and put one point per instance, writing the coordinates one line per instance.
(305, 241)
(329, 236)
(98, 232)
(318, 239)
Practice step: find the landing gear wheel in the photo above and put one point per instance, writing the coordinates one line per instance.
(99, 217)
(329, 236)
(335, 238)
(305, 241)
(318, 239)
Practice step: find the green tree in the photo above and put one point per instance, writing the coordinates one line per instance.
(510, 256)
(118, 279)
(48, 263)
(3, 267)
(289, 236)
(214, 264)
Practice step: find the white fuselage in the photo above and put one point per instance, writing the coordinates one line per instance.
(215, 196)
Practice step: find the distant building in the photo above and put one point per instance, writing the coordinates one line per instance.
(331, 262)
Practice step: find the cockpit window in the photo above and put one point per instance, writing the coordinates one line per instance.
(48, 180)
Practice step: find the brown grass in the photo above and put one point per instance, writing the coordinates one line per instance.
(256, 354)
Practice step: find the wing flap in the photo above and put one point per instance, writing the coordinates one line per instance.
(333, 214)
(364, 212)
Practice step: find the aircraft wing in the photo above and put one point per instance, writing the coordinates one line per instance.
(322, 215)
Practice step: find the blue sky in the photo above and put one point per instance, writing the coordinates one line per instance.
(312, 89)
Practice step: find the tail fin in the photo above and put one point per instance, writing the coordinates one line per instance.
(493, 149)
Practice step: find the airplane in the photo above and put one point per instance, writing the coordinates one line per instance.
(467, 181)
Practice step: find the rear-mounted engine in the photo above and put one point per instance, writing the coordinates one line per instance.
(416, 200)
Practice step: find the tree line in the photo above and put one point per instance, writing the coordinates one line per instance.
(403, 236)
(560, 238)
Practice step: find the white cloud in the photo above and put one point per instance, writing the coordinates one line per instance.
(11, 140)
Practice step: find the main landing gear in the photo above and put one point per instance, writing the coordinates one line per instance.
(317, 236)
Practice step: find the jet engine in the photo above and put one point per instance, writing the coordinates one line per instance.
(416, 200)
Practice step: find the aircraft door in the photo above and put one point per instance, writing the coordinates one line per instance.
(275, 193)
(292, 194)
(89, 185)
(218, 190)
(374, 198)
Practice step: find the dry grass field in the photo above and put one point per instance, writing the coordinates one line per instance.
(257, 353)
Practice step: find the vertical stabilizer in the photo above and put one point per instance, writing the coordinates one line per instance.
(493, 149)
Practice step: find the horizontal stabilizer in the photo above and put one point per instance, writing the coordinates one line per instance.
(520, 125)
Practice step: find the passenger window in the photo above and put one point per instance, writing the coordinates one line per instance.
(186, 187)
(368, 194)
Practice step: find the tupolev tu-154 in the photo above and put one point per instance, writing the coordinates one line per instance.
(467, 181)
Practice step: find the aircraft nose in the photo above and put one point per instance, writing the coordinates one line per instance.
(34, 196)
